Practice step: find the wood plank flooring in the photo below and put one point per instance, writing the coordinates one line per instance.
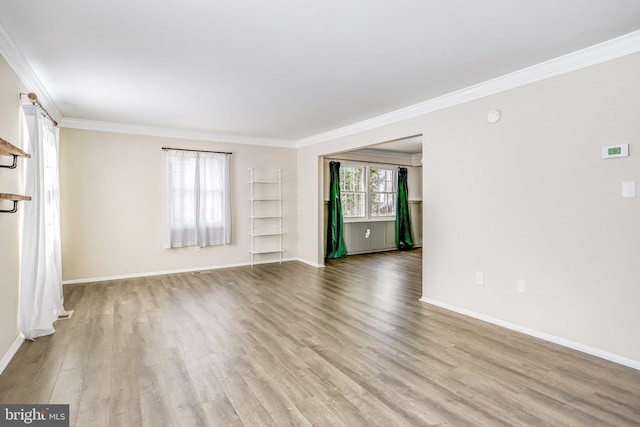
(347, 345)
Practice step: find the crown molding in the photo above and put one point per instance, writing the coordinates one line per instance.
(73, 123)
(387, 157)
(372, 152)
(16, 60)
(19, 64)
(593, 55)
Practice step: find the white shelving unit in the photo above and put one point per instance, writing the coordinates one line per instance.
(265, 220)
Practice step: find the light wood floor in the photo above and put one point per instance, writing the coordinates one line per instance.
(347, 345)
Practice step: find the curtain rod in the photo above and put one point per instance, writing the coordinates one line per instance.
(371, 163)
(34, 100)
(199, 151)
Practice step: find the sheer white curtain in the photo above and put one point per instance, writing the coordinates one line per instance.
(41, 298)
(197, 209)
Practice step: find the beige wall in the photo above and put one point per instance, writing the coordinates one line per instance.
(10, 182)
(528, 198)
(111, 205)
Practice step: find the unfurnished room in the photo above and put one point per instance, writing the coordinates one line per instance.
(319, 213)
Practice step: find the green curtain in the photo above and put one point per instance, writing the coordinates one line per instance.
(403, 222)
(336, 247)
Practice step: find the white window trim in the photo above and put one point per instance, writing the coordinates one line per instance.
(367, 207)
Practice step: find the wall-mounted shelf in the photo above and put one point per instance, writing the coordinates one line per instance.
(265, 218)
(15, 198)
(8, 149)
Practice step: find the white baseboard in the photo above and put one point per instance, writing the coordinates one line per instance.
(304, 261)
(160, 273)
(11, 352)
(635, 364)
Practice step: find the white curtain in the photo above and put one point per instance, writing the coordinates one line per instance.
(197, 209)
(41, 298)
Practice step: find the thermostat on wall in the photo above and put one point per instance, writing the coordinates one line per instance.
(620, 150)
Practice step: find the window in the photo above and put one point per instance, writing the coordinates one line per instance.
(382, 192)
(353, 191)
(367, 192)
(196, 199)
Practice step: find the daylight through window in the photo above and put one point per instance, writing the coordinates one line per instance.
(367, 191)
(196, 200)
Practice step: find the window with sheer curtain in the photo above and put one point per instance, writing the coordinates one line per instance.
(41, 296)
(197, 208)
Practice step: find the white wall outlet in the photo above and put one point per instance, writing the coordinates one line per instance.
(480, 279)
(629, 189)
(520, 286)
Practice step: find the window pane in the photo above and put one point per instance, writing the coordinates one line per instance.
(382, 192)
(353, 205)
(381, 180)
(383, 204)
(352, 178)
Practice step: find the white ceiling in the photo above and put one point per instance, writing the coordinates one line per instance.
(287, 69)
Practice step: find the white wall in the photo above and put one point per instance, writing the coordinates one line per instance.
(10, 182)
(111, 205)
(528, 198)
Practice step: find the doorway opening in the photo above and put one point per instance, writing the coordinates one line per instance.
(369, 177)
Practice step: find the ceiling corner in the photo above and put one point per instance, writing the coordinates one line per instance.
(16, 60)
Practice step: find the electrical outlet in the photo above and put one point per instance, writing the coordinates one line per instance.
(520, 286)
(480, 279)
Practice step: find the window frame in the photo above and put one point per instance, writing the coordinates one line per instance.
(368, 193)
(364, 192)
(394, 192)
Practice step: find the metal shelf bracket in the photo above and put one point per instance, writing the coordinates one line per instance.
(12, 166)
